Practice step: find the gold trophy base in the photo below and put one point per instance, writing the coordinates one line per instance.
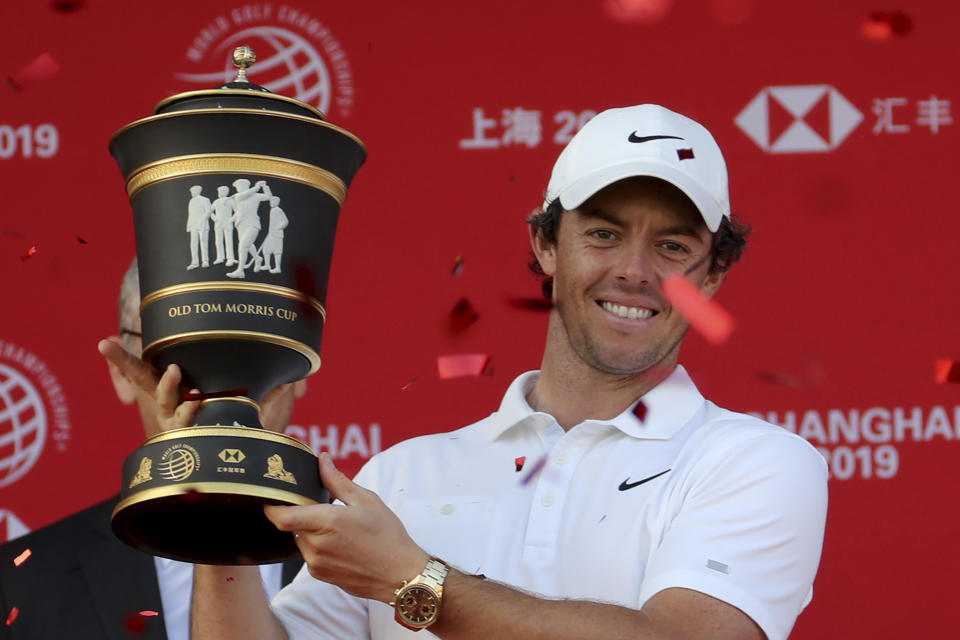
(197, 494)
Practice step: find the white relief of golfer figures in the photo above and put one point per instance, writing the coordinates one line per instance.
(239, 212)
(223, 226)
(199, 212)
(272, 247)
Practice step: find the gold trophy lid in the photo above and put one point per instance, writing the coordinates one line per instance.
(240, 93)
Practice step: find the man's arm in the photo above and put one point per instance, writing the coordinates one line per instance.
(474, 608)
(230, 603)
(362, 547)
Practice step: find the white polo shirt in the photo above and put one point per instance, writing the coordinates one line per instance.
(694, 496)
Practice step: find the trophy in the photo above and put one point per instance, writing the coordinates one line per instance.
(235, 194)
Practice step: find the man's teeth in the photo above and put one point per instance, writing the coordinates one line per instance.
(627, 312)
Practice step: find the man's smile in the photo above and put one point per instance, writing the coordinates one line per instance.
(624, 311)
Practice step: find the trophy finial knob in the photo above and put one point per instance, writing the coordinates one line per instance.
(243, 57)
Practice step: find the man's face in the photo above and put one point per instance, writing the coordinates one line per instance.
(609, 263)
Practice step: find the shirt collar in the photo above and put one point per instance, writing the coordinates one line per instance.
(670, 405)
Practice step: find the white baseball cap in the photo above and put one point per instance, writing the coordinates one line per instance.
(645, 140)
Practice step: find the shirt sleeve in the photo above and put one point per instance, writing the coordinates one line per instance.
(748, 529)
(312, 609)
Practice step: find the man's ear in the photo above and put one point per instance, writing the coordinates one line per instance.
(711, 283)
(300, 388)
(545, 252)
(126, 392)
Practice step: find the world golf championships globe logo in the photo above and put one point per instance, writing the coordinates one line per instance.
(178, 462)
(23, 425)
(286, 64)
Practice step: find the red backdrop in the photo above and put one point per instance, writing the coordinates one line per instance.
(837, 128)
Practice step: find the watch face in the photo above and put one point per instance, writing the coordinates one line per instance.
(417, 605)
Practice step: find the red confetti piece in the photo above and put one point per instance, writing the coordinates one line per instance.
(81, 240)
(637, 10)
(781, 378)
(518, 462)
(531, 304)
(882, 26)
(685, 154)
(534, 470)
(946, 370)
(135, 625)
(462, 315)
(640, 411)
(32, 251)
(66, 6)
(458, 267)
(20, 559)
(703, 314)
(462, 365)
(192, 496)
(215, 394)
(149, 613)
(229, 578)
(14, 612)
(37, 71)
(407, 386)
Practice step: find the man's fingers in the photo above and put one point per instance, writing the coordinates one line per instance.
(337, 482)
(306, 518)
(184, 413)
(166, 391)
(133, 368)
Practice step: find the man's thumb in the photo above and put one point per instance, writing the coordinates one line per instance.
(336, 482)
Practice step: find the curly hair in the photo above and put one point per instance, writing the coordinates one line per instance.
(729, 241)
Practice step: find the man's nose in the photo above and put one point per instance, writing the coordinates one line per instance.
(635, 264)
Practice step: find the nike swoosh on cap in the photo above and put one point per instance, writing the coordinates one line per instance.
(635, 138)
(626, 484)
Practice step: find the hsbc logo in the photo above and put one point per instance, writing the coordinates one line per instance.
(813, 118)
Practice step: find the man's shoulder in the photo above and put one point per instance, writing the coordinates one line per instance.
(434, 451)
(61, 536)
(464, 437)
(725, 433)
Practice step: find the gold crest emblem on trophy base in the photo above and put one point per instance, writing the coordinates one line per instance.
(143, 473)
(276, 471)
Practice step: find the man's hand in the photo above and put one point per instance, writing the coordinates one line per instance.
(163, 391)
(360, 546)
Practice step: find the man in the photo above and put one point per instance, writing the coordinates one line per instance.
(81, 581)
(199, 213)
(683, 521)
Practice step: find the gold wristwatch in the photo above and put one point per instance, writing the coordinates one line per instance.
(417, 601)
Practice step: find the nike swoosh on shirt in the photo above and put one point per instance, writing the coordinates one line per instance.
(626, 484)
(635, 138)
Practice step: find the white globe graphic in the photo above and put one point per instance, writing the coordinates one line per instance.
(286, 64)
(23, 425)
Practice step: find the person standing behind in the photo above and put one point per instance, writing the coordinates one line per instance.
(81, 581)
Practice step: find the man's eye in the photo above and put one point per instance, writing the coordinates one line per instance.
(674, 246)
(602, 234)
